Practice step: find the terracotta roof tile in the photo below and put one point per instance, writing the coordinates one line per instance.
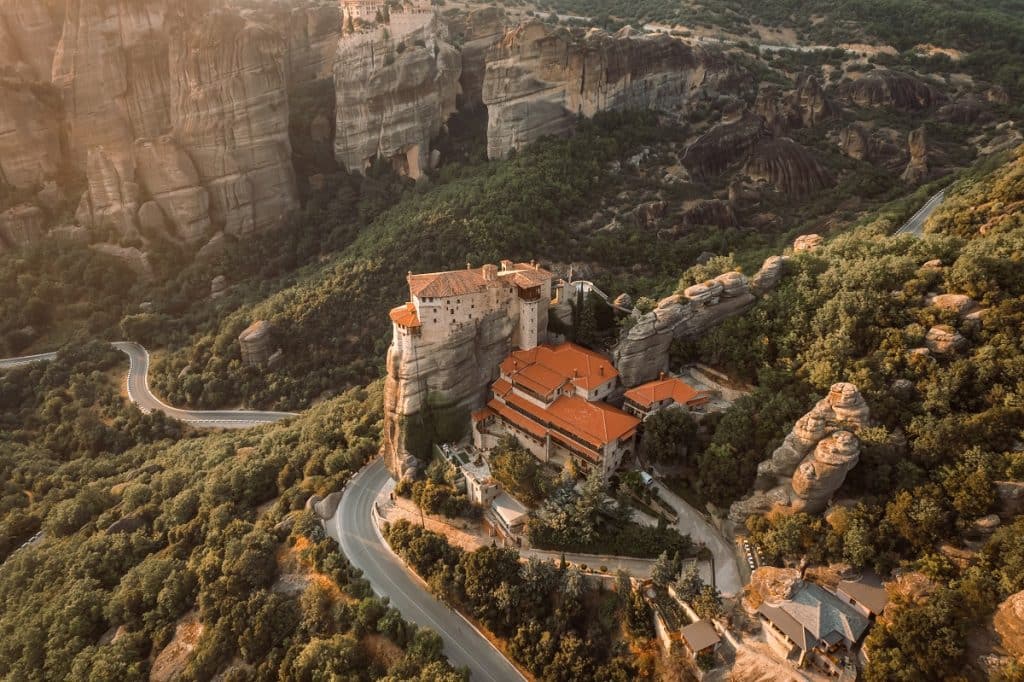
(445, 284)
(656, 391)
(405, 316)
(567, 362)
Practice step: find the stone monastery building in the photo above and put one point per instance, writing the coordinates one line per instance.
(443, 302)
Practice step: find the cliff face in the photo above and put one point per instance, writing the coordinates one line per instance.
(111, 66)
(643, 352)
(480, 30)
(539, 80)
(29, 133)
(28, 38)
(430, 391)
(229, 108)
(395, 89)
(884, 88)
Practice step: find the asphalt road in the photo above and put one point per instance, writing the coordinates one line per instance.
(139, 393)
(915, 225)
(362, 543)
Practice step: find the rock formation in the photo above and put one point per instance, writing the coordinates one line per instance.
(482, 29)
(255, 344)
(169, 177)
(229, 108)
(891, 89)
(448, 378)
(709, 212)
(725, 144)
(811, 464)
(21, 226)
(28, 38)
(642, 352)
(394, 93)
(540, 79)
(804, 107)
(29, 133)
(112, 200)
(111, 66)
(788, 167)
(917, 167)
(944, 340)
(808, 243)
(855, 141)
(134, 259)
(768, 277)
(1009, 624)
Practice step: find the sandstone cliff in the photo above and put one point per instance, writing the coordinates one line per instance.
(111, 66)
(29, 32)
(642, 352)
(891, 89)
(811, 464)
(429, 392)
(804, 107)
(29, 133)
(539, 80)
(480, 30)
(229, 108)
(394, 92)
(788, 167)
(727, 143)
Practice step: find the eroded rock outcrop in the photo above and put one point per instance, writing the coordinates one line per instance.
(804, 107)
(481, 29)
(944, 340)
(787, 166)
(725, 144)
(255, 343)
(169, 177)
(891, 89)
(642, 352)
(111, 203)
(29, 133)
(808, 243)
(811, 464)
(1009, 624)
(540, 79)
(394, 93)
(917, 167)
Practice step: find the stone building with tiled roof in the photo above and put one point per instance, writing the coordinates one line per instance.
(551, 398)
(442, 303)
(646, 399)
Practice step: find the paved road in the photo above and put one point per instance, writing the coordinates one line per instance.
(915, 225)
(693, 523)
(139, 393)
(352, 526)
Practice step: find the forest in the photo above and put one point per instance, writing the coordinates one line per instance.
(145, 525)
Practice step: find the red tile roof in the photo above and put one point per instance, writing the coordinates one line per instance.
(678, 390)
(481, 415)
(545, 368)
(595, 423)
(471, 281)
(405, 316)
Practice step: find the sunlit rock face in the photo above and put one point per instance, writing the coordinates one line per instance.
(229, 109)
(29, 32)
(111, 67)
(811, 464)
(882, 88)
(29, 133)
(395, 87)
(642, 352)
(481, 30)
(539, 80)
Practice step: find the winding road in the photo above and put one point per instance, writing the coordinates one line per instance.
(353, 527)
(139, 393)
(915, 226)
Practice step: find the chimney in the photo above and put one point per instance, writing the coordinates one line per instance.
(533, 264)
(661, 376)
(575, 373)
(468, 265)
(601, 370)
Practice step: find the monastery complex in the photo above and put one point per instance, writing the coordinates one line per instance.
(560, 401)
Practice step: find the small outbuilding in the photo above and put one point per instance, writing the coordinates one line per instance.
(700, 638)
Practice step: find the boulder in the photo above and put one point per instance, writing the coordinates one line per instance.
(957, 303)
(218, 287)
(808, 243)
(943, 340)
(787, 166)
(1009, 624)
(768, 277)
(1011, 498)
(255, 343)
(326, 508)
(987, 524)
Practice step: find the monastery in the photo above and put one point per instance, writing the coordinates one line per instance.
(553, 398)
